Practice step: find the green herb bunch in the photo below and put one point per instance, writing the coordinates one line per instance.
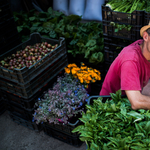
(114, 125)
(64, 101)
(128, 6)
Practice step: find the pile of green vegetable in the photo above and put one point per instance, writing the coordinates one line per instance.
(113, 125)
(128, 6)
(81, 38)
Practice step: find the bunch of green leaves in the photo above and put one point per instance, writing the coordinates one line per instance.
(88, 40)
(119, 27)
(81, 38)
(128, 6)
(42, 22)
(114, 125)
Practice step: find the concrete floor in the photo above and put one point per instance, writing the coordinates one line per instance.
(18, 137)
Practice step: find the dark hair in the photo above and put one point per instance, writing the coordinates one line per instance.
(148, 31)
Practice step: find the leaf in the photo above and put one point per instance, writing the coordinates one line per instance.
(32, 18)
(73, 42)
(48, 25)
(123, 109)
(140, 129)
(66, 34)
(19, 28)
(136, 115)
(84, 138)
(113, 106)
(90, 43)
(87, 53)
(85, 134)
(94, 146)
(147, 127)
(116, 30)
(78, 128)
(50, 10)
(40, 29)
(52, 34)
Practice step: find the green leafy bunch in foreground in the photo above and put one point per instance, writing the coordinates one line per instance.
(113, 125)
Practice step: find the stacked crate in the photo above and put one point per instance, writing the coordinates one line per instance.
(9, 36)
(2, 104)
(146, 18)
(22, 87)
(63, 132)
(115, 41)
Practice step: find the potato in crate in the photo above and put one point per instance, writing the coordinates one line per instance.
(27, 72)
(28, 89)
(27, 60)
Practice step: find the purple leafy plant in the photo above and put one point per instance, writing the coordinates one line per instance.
(64, 101)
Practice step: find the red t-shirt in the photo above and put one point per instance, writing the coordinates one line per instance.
(129, 71)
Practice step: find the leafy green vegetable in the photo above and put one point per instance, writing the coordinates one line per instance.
(128, 6)
(114, 125)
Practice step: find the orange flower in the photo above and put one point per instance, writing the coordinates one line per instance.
(67, 70)
(81, 80)
(72, 65)
(84, 67)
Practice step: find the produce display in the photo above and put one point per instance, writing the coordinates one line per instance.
(81, 38)
(128, 6)
(28, 56)
(114, 125)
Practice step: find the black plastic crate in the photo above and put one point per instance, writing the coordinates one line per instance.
(111, 51)
(9, 37)
(30, 88)
(91, 98)
(16, 110)
(132, 34)
(12, 41)
(3, 2)
(146, 18)
(96, 87)
(107, 65)
(5, 11)
(7, 25)
(117, 41)
(28, 104)
(134, 19)
(72, 140)
(2, 106)
(113, 46)
(25, 74)
(4, 38)
(25, 123)
(66, 129)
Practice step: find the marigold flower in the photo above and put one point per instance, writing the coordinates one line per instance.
(72, 65)
(67, 70)
(81, 80)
